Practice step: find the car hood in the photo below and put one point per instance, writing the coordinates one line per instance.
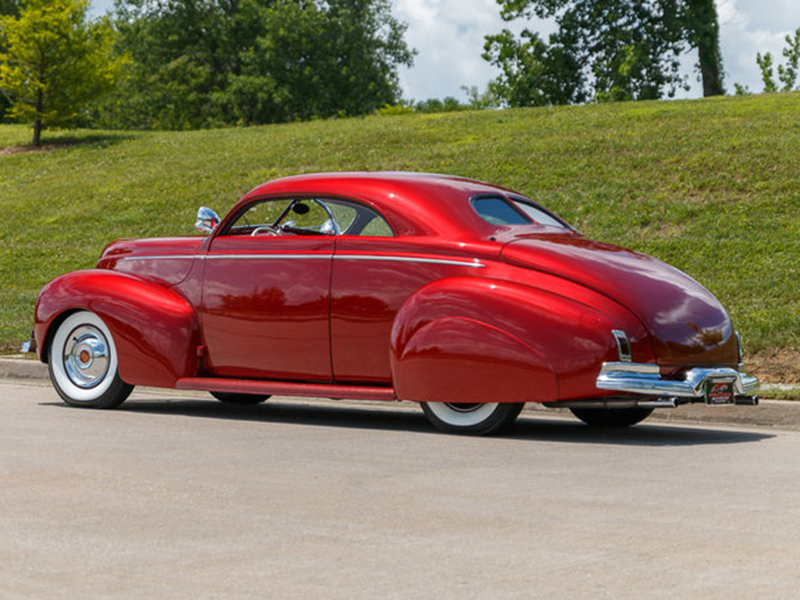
(687, 323)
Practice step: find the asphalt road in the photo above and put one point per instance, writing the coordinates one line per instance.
(176, 496)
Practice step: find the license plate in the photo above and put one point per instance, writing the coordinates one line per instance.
(719, 393)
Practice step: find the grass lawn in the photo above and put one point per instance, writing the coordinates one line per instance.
(711, 186)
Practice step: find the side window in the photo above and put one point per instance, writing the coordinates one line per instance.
(261, 214)
(377, 227)
(285, 217)
(309, 216)
(357, 219)
(343, 213)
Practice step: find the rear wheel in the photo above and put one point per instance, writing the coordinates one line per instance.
(472, 418)
(611, 417)
(83, 363)
(240, 399)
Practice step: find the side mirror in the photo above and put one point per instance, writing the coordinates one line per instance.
(207, 219)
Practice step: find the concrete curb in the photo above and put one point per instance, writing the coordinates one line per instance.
(780, 414)
(22, 368)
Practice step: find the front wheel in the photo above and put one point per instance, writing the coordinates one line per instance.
(83, 363)
(611, 417)
(472, 418)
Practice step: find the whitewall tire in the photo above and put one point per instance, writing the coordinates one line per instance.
(83, 363)
(473, 418)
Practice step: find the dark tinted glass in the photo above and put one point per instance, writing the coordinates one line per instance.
(498, 211)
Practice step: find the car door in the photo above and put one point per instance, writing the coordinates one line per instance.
(375, 271)
(265, 306)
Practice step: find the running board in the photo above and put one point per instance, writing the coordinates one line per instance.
(286, 388)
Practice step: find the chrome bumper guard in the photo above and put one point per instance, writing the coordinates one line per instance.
(645, 379)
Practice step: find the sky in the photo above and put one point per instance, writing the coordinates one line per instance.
(449, 36)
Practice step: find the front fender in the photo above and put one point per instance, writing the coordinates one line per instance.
(465, 338)
(154, 328)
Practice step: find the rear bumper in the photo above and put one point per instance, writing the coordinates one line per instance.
(645, 379)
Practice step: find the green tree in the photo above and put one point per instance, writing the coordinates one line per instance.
(54, 62)
(605, 49)
(314, 60)
(477, 100)
(534, 73)
(767, 72)
(435, 105)
(200, 63)
(787, 73)
(10, 7)
(7, 7)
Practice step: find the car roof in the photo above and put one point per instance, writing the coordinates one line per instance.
(415, 203)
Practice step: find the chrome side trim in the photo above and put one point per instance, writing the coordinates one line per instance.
(646, 379)
(410, 259)
(436, 261)
(265, 256)
(162, 257)
(326, 256)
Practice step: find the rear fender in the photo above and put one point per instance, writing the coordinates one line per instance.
(155, 330)
(468, 339)
(457, 359)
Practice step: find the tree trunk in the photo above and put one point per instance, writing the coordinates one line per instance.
(37, 132)
(37, 122)
(703, 29)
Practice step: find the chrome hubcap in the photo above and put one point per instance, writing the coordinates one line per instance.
(86, 356)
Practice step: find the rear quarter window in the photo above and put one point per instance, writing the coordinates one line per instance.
(539, 215)
(499, 211)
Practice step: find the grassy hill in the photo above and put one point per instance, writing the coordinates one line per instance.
(710, 186)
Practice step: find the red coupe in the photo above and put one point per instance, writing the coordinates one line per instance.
(465, 297)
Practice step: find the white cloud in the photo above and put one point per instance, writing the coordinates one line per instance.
(450, 35)
(748, 27)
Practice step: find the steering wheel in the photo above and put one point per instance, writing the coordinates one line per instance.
(268, 229)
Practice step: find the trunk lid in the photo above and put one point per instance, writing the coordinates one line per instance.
(687, 323)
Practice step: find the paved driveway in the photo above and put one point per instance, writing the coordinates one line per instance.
(175, 496)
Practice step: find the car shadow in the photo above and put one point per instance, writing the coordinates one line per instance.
(528, 427)
(649, 433)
